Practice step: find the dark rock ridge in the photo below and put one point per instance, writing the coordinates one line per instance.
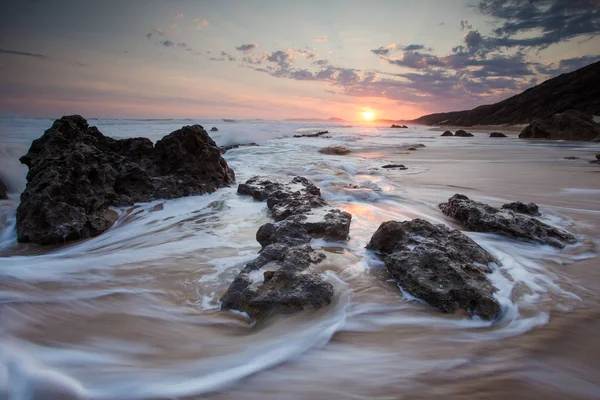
(214, 129)
(481, 217)
(76, 173)
(462, 133)
(522, 208)
(394, 166)
(225, 149)
(315, 134)
(569, 125)
(447, 133)
(3, 191)
(497, 134)
(439, 265)
(578, 90)
(335, 150)
(281, 278)
(398, 126)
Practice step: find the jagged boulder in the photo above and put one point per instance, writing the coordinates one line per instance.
(568, 125)
(462, 133)
(76, 173)
(497, 134)
(281, 278)
(447, 133)
(439, 265)
(481, 217)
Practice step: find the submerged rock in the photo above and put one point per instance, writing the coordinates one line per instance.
(214, 129)
(481, 217)
(529, 208)
(225, 149)
(281, 279)
(3, 191)
(394, 166)
(497, 134)
(568, 125)
(335, 150)
(315, 134)
(76, 173)
(439, 265)
(462, 133)
(447, 133)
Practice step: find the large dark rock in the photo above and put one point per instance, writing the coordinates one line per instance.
(76, 173)
(568, 125)
(462, 133)
(439, 265)
(281, 279)
(3, 191)
(497, 134)
(447, 133)
(481, 217)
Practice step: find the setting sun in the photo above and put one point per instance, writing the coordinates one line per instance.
(368, 115)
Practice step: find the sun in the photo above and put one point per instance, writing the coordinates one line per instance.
(368, 115)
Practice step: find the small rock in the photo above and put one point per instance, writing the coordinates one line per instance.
(225, 149)
(447, 133)
(571, 158)
(497, 134)
(398, 126)
(481, 217)
(395, 166)
(316, 134)
(462, 133)
(335, 150)
(214, 129)
(439, 265)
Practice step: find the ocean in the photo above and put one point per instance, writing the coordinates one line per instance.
(134, 313)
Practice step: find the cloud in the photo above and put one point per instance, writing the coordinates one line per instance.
(224, 57)
(167, 43)
(320, 62)
(246, 47)
(383, 50)
(200, 23)
(321, 39)
(21, 53)
(156, 31)
(179, 16)
(464, 25)
(412, 47)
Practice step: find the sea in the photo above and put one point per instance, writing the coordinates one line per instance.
(134, 313)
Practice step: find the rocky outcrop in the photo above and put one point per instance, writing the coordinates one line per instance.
(225, 149)
(314, 134)
(398, 126)
(281, 278)
(481, 217)
(334, 150)
(3, 191)
(578, 90)
(462, 133)
(447, 133)
(522, 208)
(497, 134)
(569, 125)
(214, 129)
(76, 173)
(439, 265)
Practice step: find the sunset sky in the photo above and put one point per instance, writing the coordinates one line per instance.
(282, 59)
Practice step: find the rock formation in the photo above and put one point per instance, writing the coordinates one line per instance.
(398, 126)
(569, 125)
(481, 217)
(3, 191)
(315, 134)
(76, 173)
(394, 166)
(447, 133)
(462, 133)
(225, 149)
(439, 265)
(497, 134)
(281, 279)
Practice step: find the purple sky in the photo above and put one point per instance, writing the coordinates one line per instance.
(280, 59)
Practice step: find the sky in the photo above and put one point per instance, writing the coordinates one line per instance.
(398, 59)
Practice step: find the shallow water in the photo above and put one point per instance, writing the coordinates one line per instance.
(134, 312)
